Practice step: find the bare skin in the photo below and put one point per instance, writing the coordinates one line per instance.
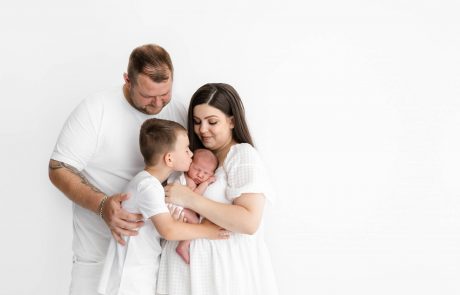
(214, 129)
(146, 96)
(183, 248)
(243, 216)
(78, 189)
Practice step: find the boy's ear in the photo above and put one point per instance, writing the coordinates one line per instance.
(168, 159)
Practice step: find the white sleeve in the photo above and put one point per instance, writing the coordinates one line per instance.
(246, 173)
(151, 199)
(78, 139)
(177, 177)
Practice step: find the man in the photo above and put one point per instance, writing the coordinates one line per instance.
(97, 153)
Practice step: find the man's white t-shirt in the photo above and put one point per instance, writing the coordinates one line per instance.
(101, 139)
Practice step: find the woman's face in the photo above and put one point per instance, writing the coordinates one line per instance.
(213, 127)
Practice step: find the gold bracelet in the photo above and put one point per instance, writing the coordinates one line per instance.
(101, 206)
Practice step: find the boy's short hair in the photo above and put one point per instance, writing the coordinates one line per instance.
(157, 136)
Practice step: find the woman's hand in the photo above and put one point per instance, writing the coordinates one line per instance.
(178, 194)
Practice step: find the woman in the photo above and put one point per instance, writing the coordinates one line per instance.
(235, 201)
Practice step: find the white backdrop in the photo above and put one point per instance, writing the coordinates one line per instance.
(353, 104)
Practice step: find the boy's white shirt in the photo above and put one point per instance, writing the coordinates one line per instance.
(127, 268)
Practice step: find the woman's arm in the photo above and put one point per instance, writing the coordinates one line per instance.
(243, 216)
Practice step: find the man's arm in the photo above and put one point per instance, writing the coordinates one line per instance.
(75, 185)
(79, 190)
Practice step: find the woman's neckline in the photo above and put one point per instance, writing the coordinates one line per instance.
(228, 148)
(228, 153)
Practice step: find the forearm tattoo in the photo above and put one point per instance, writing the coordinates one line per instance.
(55, 165)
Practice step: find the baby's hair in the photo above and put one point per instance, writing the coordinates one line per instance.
(158, 136)
(207, 155)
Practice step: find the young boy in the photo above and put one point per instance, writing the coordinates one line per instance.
(198, 177)
(133, 268)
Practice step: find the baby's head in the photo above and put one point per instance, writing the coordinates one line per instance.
(165, 143)
(203, 165)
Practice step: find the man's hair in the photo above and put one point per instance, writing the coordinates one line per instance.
(157, 137)
(151, 60)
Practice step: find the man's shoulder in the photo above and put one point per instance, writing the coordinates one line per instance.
(99, 104)
(103, 96)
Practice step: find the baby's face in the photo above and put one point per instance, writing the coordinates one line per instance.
(201, 170)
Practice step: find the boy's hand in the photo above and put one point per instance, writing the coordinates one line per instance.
(215, 231)
(120, 222)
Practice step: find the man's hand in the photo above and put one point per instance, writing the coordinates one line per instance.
(120, 222)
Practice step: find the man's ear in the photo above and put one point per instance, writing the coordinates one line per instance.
(168, 159)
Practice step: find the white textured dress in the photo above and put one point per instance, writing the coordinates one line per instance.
(239, 265)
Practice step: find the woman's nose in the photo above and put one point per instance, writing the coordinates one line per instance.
(203, 128)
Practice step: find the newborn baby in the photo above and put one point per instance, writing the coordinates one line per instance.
(197, 178)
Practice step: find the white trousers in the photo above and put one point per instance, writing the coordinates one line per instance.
(85, 277)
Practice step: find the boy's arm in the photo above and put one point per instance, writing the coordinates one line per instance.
(173, 230)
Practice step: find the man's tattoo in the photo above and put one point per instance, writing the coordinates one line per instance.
(54, 165)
